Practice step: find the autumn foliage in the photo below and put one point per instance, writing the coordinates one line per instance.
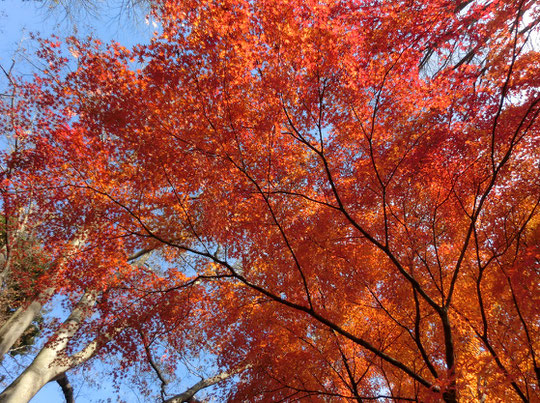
(341, 196)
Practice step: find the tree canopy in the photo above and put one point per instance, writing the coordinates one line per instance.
(337, 199)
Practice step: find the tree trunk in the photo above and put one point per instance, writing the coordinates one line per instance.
(23, 317)
(52, 360)
(16, 326)
(34, 377)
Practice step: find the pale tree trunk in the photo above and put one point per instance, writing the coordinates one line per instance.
(21, 319)
(52, 360)
(16, 326)
(18, 233)
(34, 377)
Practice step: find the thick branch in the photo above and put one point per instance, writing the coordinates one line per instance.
(67, 389)
(202, 384)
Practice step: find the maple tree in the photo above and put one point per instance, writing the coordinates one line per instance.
(33, 273)
(343, 194)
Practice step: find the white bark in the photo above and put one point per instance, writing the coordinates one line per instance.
(18, 233)
(34, 377)
(16, 326)
(52, 360)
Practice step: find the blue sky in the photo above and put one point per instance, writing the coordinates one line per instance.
(19, 18)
